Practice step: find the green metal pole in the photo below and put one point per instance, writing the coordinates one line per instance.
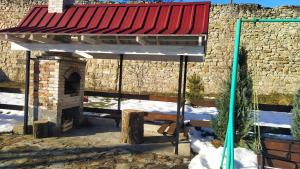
(230, 131)
(228, 145)
(271, 20)
(233, 87)
(224, 149)
(229, 140)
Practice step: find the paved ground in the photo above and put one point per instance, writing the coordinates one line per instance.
(89, 147)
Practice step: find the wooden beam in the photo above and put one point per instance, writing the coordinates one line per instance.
(11, 107)
(12, 89)
(277, 163)
(272, 144)
(200, 40)
(85, 55)
(172, 129)
(88, 39)
(171, 40)
(97, 39)
(157, 40)
(17, 38)
(162, 58)
(141, 40)
(42, 38)
(118, 40)
(163, 128)
(75, 39)
(155, 116)
(200, 123)
(277, 154)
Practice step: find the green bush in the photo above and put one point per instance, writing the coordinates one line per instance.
(296, 117)
(195, 88)
(243, 103)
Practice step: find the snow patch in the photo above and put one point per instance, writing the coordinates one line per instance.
(8, 118)
(12, 98)
(275, 119)
(210, 157)
(266, 118)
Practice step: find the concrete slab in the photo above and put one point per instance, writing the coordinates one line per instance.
(101, 132)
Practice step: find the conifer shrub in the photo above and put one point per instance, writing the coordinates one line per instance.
(295, 129)
(243, 103)
(195, 89)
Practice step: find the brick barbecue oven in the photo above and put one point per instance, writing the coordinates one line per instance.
(57, 92)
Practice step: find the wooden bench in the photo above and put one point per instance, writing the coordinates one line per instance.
(167, 128)
(280, 153)
(169, 125)
(199, 123)
(155, 116)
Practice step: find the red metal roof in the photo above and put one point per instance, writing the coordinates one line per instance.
(125, 19)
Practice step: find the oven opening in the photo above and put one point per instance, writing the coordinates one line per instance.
(69, 118)
(72, 84)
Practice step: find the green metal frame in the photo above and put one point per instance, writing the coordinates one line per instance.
(229, 140)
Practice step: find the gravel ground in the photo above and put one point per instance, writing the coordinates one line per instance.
(89, 147)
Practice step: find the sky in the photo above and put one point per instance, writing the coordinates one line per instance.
(265, 3)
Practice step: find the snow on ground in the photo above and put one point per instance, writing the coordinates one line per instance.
(210, 157)
(275, 119)
(200, 113)
(11, 98)
(266, 118)
(8, 118)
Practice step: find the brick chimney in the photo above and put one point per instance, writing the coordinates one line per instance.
(58, 6)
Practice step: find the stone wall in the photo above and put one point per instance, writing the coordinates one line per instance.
(273, 48)
(273, 55)
(11, 62)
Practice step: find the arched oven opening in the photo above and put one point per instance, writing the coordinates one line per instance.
(72, 84)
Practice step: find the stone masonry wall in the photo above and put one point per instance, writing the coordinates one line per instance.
(273, 48)
(273, 56)
(11, 62)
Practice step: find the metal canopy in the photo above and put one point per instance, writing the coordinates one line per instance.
(141, 29)
(188, 18)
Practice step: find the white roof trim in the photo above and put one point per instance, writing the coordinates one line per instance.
(146, 57)
(112, 49)
(193, 40)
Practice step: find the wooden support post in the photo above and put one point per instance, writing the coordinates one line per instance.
(178, 125)
(40, 129)
(120, 87)
(132, 126)
(27, 73)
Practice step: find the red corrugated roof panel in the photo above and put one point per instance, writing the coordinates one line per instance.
(154, 18)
